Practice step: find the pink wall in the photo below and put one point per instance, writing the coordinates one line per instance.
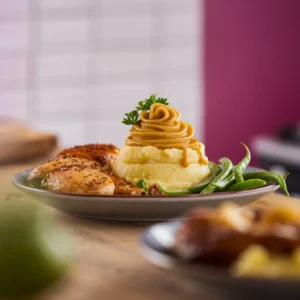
(252, 71)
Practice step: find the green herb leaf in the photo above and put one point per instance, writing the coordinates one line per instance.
(148, 102)
(133, 117)
(142, 184)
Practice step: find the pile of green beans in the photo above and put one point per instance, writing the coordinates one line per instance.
(232, 178)
(229, 178)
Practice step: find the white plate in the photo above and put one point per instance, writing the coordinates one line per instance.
(134, 208)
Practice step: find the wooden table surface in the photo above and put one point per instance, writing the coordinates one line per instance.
(108, 262)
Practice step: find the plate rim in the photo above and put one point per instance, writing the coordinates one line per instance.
(193, 197)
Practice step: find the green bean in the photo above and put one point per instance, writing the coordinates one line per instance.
(239, 168)
(246, 185)
(215, 170)
(268, 177)
(242, 165)
(226, 169)
(227, 182)
(167, 192)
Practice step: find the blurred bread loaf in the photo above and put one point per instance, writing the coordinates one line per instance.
(18, 142)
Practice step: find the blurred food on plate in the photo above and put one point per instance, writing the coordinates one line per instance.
(258, 261)
(259, 240)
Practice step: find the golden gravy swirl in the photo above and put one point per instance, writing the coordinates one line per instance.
(161, 128)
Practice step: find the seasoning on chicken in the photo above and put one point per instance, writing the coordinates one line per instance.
(79, 180)
(104, 154)
(38, 174)
(80, 166)
(74, 164)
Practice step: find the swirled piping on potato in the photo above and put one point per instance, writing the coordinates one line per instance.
(161, 128)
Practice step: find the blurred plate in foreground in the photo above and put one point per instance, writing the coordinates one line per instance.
(156, 245)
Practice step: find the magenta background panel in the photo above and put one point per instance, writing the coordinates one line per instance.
(252, 71)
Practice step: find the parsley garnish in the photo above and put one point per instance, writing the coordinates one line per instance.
(133, 117)
(142, 184)
(146, 104)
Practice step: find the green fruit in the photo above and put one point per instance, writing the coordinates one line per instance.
(33, 254)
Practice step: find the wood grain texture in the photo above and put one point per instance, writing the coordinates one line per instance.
(108, 262)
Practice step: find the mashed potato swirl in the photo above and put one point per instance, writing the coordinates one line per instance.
(161, 149)
(161, 128)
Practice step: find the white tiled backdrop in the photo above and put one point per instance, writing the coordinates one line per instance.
(75, 66)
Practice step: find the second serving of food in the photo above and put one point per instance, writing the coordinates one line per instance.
(260, 240)
(160, 156)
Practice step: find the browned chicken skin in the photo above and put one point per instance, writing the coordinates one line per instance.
(67, 173)
(123, 187)
(104, 154)
(79, 180)
(39, 172)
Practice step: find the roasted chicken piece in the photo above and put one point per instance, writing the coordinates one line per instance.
(74, 164)
(73, 175)
(38, 174)
(104, 154)
(80, 180)
(80, 166)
